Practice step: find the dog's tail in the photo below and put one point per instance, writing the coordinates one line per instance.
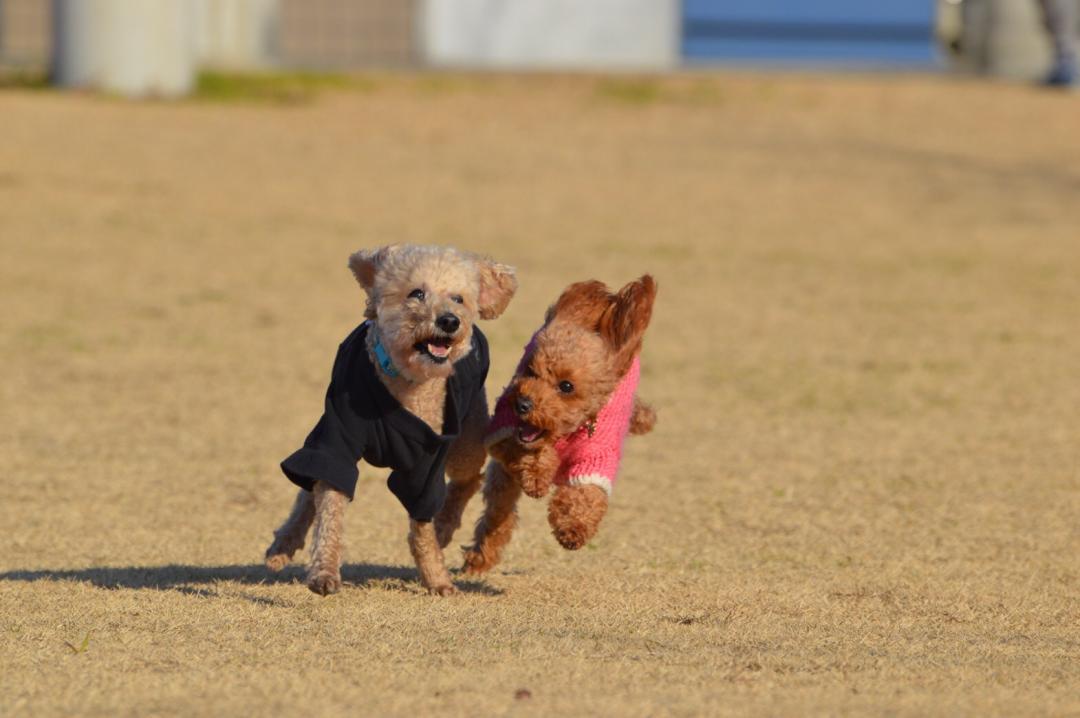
(643, 419)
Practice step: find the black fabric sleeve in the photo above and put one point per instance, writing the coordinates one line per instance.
(329, 453)
(325, 456)
(421, 490)
(483, 358)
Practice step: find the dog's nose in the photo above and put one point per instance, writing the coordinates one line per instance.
(523, 405)
(448, 322)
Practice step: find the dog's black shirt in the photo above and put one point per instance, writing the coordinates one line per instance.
(362, 419)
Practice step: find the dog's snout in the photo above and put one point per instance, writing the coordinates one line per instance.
(523, 405)
(448, 322)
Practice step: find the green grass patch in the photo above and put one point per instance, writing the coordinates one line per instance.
(49, 336)
(82, 647)
(637, 91)
(23, 79)
(439, 83)
(646, 91)
(273, 87)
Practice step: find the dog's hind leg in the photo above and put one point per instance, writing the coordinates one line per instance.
(429, 558)
(458, 493)
(324, 573)
(464, 468)
(290, 536)
(496, 526)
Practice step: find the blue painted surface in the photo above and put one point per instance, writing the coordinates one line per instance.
(845, 32)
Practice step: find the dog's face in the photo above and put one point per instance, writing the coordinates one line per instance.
(588, 342)
(424, 301)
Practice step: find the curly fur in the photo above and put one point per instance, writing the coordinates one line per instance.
(565, 351)
(471, 287)
(590, 338)
(428, 556)
(464, 468)
(574, 514)
(390, 274)
(324, 571)
(643, 419)
(497, 524)
(290, 537)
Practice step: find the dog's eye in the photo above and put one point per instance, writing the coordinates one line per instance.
(566, 387)
(457, 298)
(417, 294)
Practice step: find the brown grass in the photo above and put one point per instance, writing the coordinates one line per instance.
(862, 495)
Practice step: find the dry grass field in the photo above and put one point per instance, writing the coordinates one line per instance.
(863, 496)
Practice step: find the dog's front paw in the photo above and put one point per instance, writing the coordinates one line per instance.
(444, 589)
(282, 550)
(324, 583)
(276, 562)
(572, 535)
(574, 514)
(280, 553)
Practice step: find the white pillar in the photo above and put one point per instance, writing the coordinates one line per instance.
(134, 48)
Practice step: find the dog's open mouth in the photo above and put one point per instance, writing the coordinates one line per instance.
(527, 433)
(437, 349)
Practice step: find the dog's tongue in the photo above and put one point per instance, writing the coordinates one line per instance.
(437, 350)
(528, 432)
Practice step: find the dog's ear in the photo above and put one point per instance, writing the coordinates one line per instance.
(365, 264)
(497, 286)
(624, 322)
(582, 303)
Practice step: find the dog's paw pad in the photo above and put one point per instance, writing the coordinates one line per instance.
(325, 583)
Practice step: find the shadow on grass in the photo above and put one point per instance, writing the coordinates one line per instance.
(181, 578)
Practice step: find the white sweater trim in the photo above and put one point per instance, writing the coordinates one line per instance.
(592, 480)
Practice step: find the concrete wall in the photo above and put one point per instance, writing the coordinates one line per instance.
(343, 34)
(25, 26)
(551, 34)
(251, 34)
(237, 34)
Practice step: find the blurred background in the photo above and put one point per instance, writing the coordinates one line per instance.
(861, 497)
(158, 46)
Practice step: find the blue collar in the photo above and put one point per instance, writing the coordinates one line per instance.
(382, 356)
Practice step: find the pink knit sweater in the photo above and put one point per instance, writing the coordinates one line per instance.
(585, 458)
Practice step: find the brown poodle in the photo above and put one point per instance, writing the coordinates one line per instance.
(406, 392)
(564, 416)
